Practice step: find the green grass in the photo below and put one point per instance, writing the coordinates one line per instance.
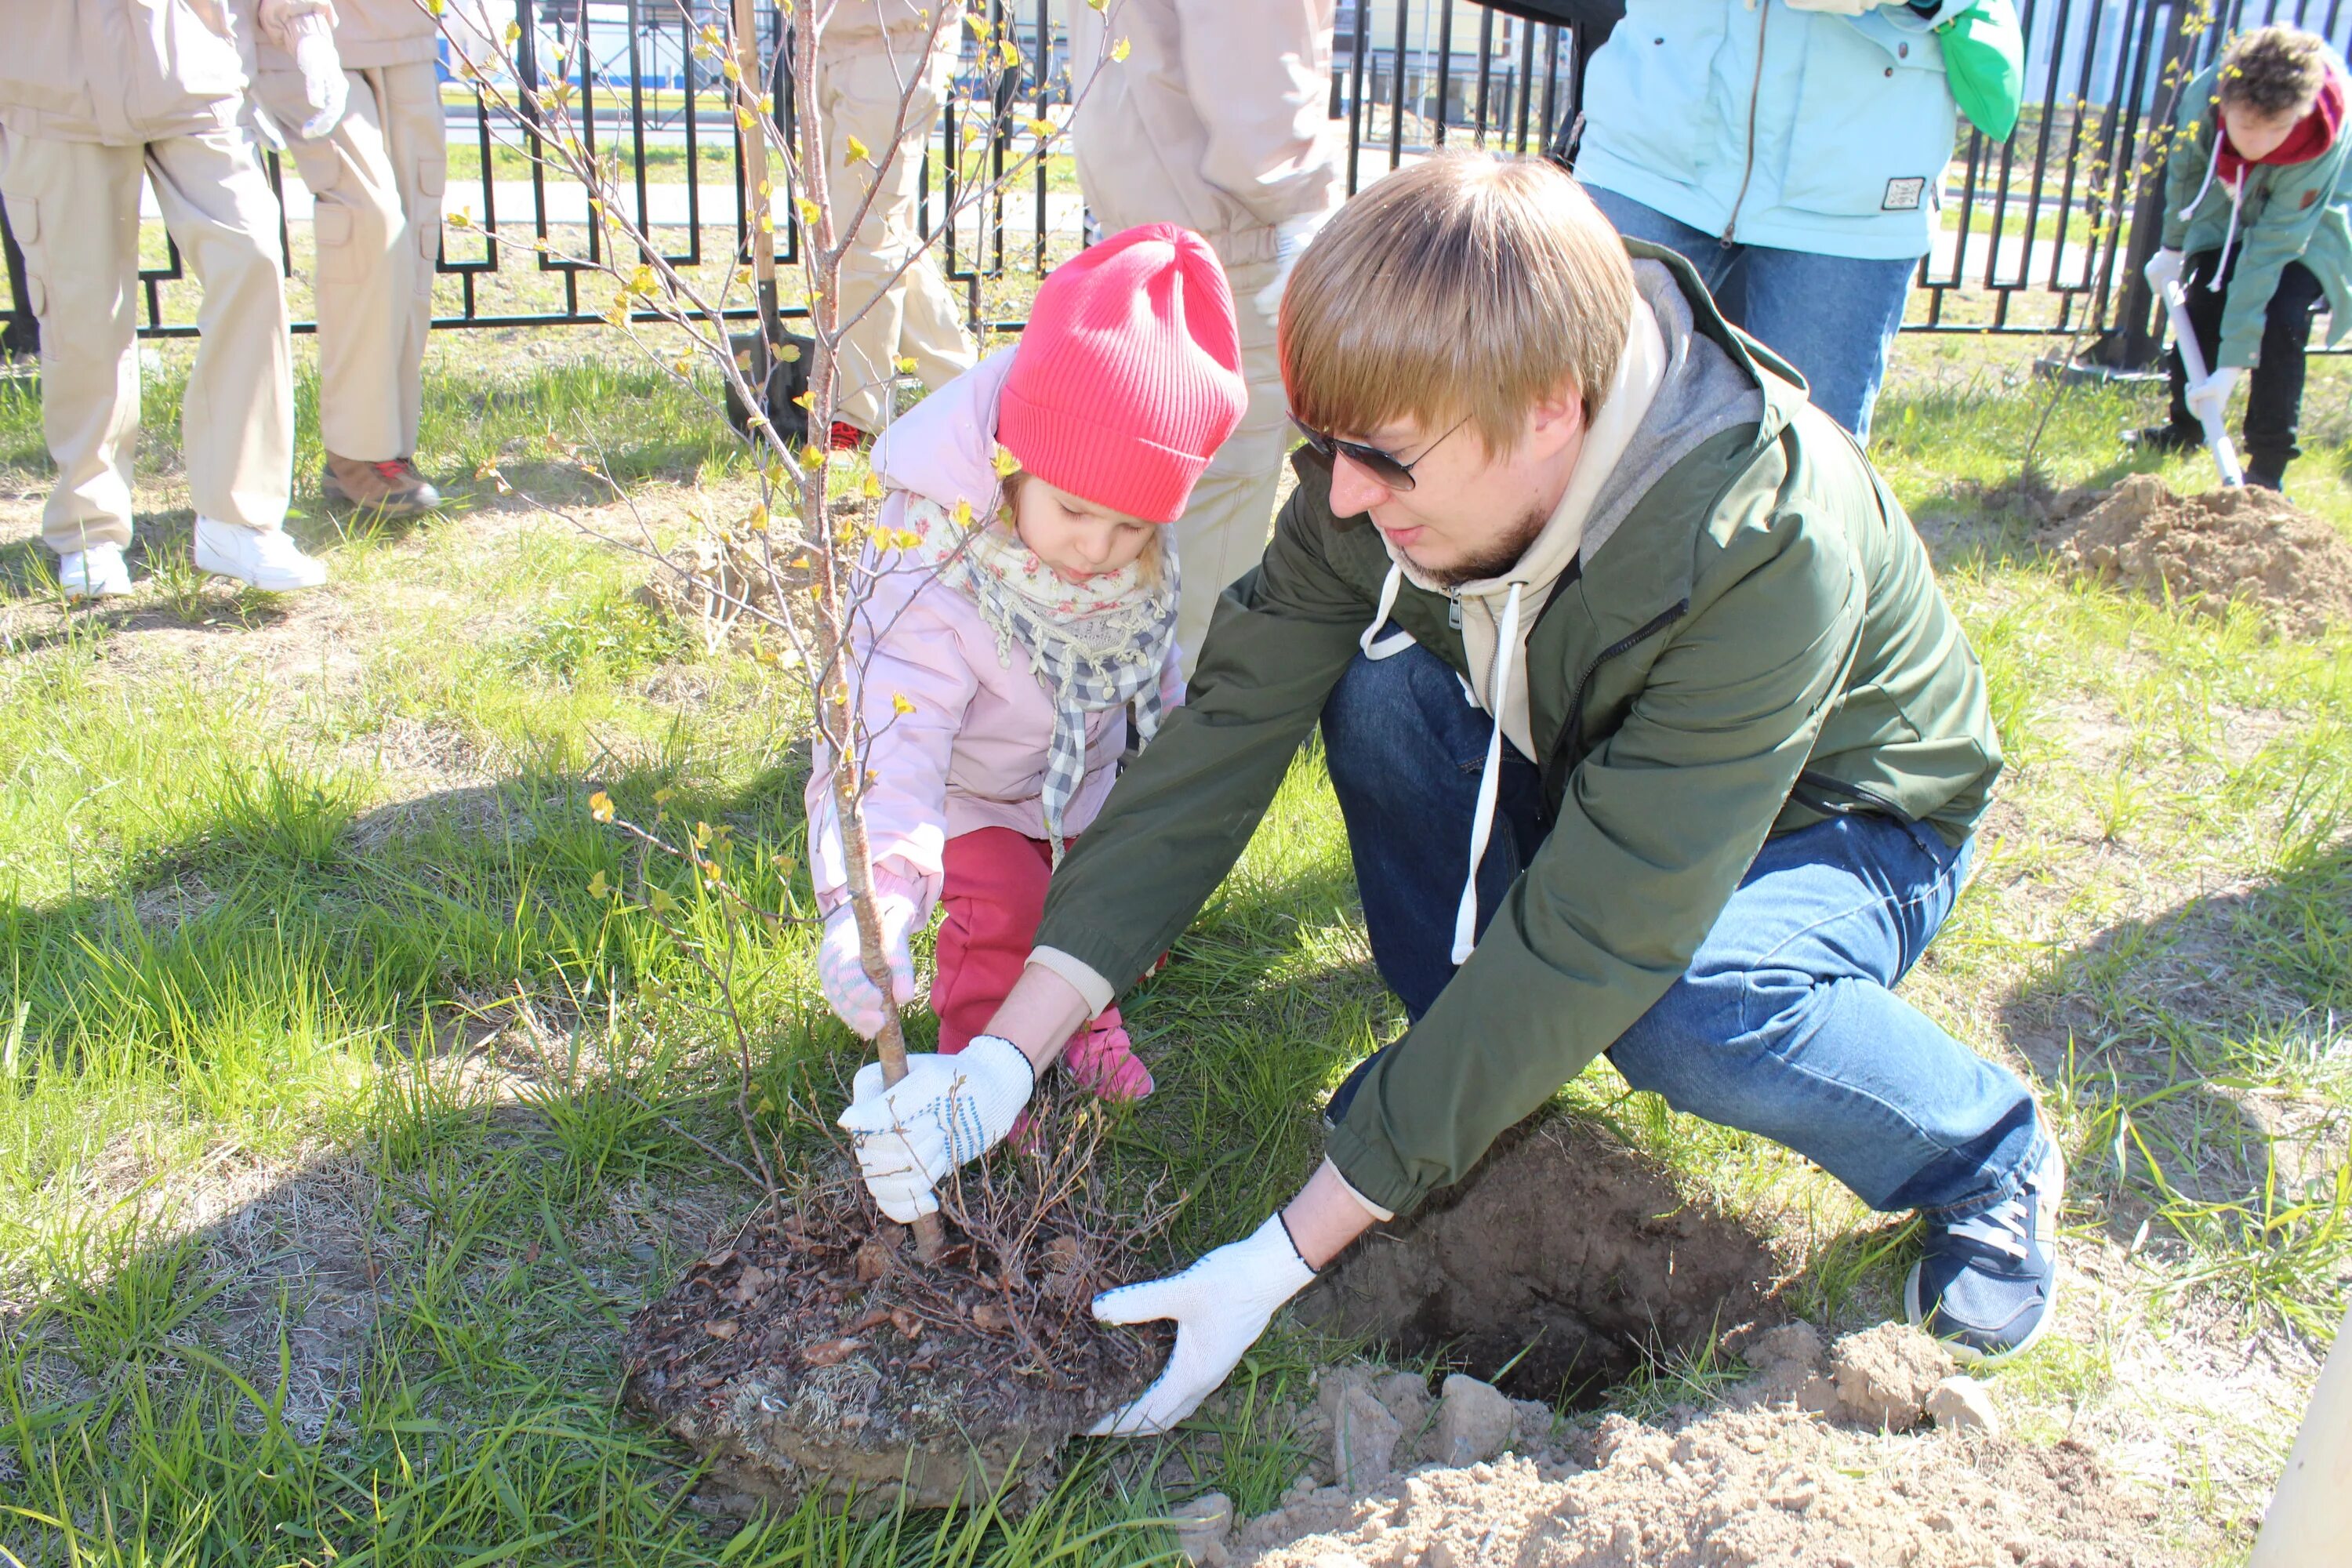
(346, 1122)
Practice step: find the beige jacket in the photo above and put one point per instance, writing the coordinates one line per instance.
(857, 23)
(122, 72)
(370, 33)
(1216, 120)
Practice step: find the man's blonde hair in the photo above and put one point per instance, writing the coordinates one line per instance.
(1464, 286)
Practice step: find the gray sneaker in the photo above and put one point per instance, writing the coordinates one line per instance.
(389, 488)
(1988, 1285)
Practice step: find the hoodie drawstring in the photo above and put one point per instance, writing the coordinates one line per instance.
(1482, 821)
(2237, 194)
(1396, 642)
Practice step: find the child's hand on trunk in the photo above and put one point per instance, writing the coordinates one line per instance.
(841, 970)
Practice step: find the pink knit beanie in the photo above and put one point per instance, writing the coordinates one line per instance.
(1129, 377)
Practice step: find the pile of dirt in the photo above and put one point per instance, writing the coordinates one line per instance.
(2206, 551)
(814, 1355)
(1564, 1256)
(1804, 1465)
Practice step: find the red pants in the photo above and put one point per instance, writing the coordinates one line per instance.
(993, 890)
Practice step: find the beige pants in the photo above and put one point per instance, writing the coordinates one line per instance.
(909, 311)
(377, 179)
(74, 206)
(1225, 525)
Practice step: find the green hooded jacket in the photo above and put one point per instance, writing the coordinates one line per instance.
(2281, 213)
(1758, 643)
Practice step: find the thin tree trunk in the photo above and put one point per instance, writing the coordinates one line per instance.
(833, 688)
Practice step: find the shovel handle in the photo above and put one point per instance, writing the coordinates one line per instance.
(2192, 366)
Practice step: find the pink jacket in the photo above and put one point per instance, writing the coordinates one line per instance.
(972, 752)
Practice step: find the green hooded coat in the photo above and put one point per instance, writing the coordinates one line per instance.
(1756, 642)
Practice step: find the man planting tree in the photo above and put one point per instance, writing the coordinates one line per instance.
(1653, 733)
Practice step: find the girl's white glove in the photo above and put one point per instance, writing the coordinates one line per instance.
(1220, 1305)
(306, 30)
(1836, 7)
(841, 969)
(947, 1111)
(2163, 268)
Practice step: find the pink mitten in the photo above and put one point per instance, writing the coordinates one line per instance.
(842, 973)
(1103, 1059)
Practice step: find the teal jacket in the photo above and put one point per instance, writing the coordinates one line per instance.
(1797, 130)
(2284, 211)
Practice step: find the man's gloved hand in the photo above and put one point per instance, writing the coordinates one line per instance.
(1291, 237)
(947, 1111)
(1836, 7)
(306, 30)
(1220, 1305)
(2163, 269)
(2209, 399)
(841, 971)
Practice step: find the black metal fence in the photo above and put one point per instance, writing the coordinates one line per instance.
(2040, 234)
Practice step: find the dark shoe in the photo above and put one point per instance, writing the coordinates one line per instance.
(389, 489)
(2167, 439)
(2259, 477)
(786, 379)
(1986, 1286)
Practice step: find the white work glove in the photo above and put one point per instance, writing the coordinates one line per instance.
(947, 1111)
(1836, 7)
(841, 971)
(1291, 237)
(1220, 1305)
(2163, 271)
(306, 30)
(2209, 399)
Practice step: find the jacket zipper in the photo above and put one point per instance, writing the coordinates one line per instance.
(1755, 94)
(1571, 733)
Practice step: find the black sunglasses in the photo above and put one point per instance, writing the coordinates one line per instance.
(1393, 472)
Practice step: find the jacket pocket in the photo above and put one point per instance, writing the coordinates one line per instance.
(25, 223)
(198, 59)
(1874, 122)
(1647, 91)
(1867, 717)
(331, 226)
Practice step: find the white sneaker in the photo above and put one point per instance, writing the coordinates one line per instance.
(265, 560)
(97, 573)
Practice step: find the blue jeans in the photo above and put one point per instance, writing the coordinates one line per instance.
(1783, 1025)
(1832, 317)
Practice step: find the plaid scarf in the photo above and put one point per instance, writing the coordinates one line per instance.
(1094, 645)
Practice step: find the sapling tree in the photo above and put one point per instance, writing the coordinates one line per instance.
(801, 562)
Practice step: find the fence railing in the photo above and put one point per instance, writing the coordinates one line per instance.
(2036, 235)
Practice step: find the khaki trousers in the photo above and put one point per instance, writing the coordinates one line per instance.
(377, 179)
(1225, 525)
(909, 311)
(74, 206)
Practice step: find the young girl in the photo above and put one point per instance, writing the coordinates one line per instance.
(2258, 220)
(1001, 651)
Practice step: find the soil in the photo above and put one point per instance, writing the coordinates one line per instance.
(1785, 1470)
(2206, 551)
(814, 1355)
(1564, 1249)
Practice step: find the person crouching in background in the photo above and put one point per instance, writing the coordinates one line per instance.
(2258, 222)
